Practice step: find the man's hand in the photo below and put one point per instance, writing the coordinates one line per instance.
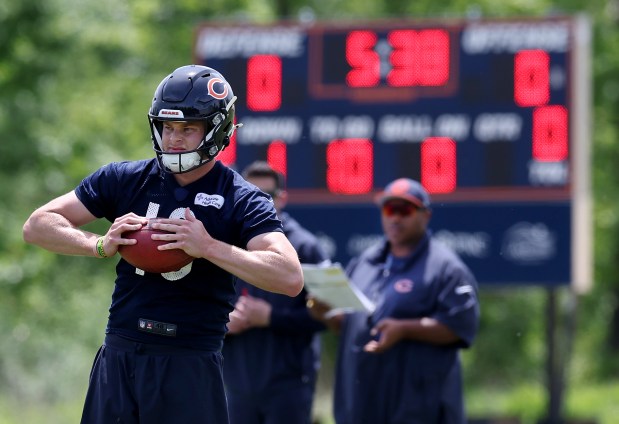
(187, 234)
(323, 312)
(249, 312)
(317, 308)
(256, 311)
(113, 238)
(389, 331)
(237, 323)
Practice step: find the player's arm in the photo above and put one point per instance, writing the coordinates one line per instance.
(270, 262)
(55, 226)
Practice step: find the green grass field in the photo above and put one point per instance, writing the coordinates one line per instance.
(526, 403)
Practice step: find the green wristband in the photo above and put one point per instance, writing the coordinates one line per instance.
(99, 248)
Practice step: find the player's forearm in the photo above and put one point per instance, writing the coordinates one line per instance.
(272, 271)
(55, 233)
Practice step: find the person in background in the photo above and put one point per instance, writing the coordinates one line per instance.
(272, 346)
(161, 360)
(400, 364)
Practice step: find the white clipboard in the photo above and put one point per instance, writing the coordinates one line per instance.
(330, 284)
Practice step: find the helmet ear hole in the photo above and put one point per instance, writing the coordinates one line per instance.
(225, 143)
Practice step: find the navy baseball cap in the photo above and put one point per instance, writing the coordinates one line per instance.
(405, 189)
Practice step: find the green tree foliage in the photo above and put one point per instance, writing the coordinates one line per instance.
(76, 79)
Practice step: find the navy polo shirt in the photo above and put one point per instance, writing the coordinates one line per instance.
(413, 382)
(198, 298)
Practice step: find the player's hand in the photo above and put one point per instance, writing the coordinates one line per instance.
(188, 234)
(112, 239)
(389, 332)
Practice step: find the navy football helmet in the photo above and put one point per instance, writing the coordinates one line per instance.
(193, 93)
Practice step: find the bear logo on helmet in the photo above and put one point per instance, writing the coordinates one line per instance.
(211, 88)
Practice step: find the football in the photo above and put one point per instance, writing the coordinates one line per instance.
(145, 255)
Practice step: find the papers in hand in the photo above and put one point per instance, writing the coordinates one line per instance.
(330, 284)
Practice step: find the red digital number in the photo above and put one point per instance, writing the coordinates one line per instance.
(276, 156)
(438, 164)
(550, 134)
(264, 83)
(531, 78)
(419, 58)
(350, 164)
(362, 58)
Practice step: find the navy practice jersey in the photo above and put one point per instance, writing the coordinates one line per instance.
(412, 382)
(284, 354)
(188, 307)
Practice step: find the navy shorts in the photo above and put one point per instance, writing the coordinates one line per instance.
(133, 383)
(293, 405)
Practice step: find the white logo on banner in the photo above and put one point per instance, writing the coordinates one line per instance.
(527, 243)
(357, 243)
(475, 245)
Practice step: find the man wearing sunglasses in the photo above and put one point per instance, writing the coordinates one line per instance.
(401, 363)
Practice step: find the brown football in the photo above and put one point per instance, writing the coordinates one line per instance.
(145, 255)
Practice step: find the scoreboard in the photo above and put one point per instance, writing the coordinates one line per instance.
(491, 116)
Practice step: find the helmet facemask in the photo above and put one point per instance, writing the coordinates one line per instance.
(219, 129)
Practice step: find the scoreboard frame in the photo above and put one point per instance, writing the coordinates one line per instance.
(339, 140)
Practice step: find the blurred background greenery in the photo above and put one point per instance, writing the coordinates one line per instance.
(76, 79)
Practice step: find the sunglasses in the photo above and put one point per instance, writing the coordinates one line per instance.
(402, 209)
(273, 193)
